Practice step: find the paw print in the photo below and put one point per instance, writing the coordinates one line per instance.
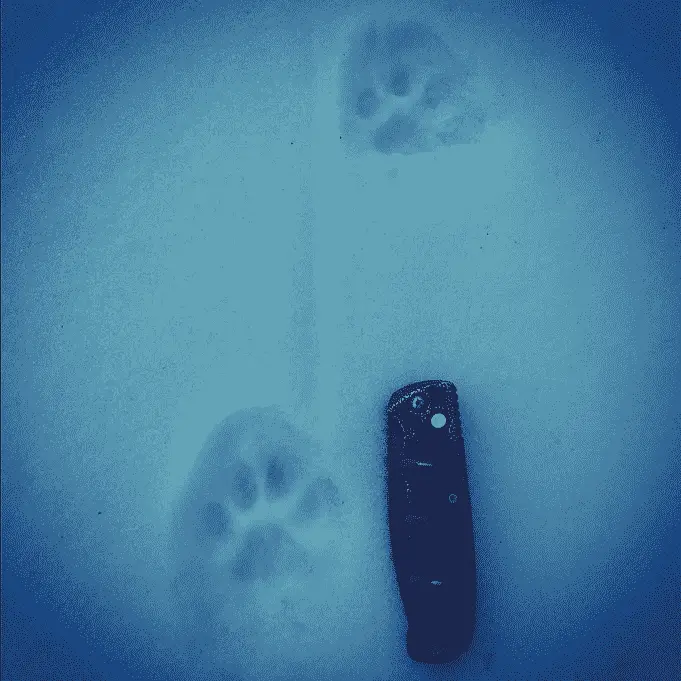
(403, 90)
(257, 508)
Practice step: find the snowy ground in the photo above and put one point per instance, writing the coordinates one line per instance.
(228, 239)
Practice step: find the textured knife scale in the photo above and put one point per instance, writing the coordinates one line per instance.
(430, 520)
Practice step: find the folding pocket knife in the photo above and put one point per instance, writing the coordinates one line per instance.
(430, 520)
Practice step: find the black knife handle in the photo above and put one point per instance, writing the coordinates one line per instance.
(430, 520)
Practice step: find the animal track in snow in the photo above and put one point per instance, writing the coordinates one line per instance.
(403, 90)
(257, 508)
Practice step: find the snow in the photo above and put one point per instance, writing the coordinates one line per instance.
(215, 273)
